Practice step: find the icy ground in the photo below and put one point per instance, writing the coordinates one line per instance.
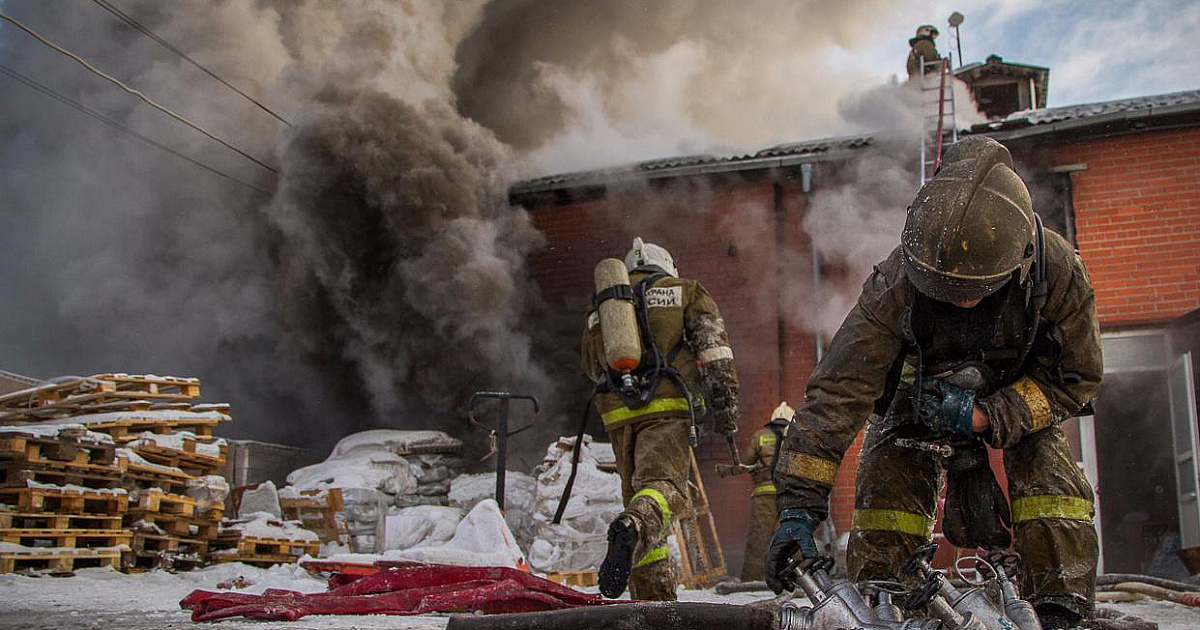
(103, 598)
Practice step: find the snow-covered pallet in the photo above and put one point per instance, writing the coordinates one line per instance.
(150, 551)
(185, 459)
(169, 480)
(17, 520)
(66, 500)
(108, 391)
(66, 538)
(23, 475)
(56, 451)
(57, 560)
(253, 550)
(318, 512)
(156, 500)
(175, 525)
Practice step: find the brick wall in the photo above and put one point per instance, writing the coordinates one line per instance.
(1137, 213)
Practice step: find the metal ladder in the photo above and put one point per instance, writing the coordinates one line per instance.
(937, 98)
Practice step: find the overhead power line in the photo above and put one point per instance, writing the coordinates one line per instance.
(136, 93)
(17, 76)
(165, 44)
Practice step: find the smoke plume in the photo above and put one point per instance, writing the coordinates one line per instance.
(380, 277)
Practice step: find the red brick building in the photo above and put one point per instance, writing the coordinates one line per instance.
(1120, 179)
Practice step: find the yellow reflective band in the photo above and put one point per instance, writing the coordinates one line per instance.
(767, 439)
(658, 498)
(657, 554)
(715, 354)
(621, 414)
(1035, 400)
(1052, 506)
(764, 488)
(894, 521)
(809, 467)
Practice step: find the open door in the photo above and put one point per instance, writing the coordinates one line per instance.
(1182, 396)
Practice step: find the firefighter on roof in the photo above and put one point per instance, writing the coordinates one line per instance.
(652, 342)
(923, 49)
(979, 328)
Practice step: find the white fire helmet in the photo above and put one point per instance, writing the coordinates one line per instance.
(643, 254)
(782, 414)
(927, 30)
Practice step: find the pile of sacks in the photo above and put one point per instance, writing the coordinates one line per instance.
(579, 542)
(380, 473)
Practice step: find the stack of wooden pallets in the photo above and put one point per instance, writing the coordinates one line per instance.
(105, 463)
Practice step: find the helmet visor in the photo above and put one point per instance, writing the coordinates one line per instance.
(951, 288)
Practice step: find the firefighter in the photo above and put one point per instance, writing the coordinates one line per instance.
(923, 49)
(686, 350)
(979, 328)
(759, 457)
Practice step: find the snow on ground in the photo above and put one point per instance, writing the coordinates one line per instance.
(103, 598)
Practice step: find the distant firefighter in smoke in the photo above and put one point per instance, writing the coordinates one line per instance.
(980, 328)
(759, 460)
(923, 49)
(651, 342)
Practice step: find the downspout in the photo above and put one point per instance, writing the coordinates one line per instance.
(780, 327)
(806, 188)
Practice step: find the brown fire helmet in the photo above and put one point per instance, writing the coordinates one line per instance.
(971, 227)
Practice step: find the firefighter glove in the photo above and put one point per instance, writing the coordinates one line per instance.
(946, 409)
(795, 533)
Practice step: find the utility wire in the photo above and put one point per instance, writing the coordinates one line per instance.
(136, 93)
(17, 76)
(165, 44)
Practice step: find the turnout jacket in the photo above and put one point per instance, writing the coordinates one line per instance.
(875, 351)
(682, 315)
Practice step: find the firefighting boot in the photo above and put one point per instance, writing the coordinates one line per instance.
(618, 562)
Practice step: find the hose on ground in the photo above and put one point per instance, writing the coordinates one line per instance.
(1158, 592)
(1175, 585)
(639, 616)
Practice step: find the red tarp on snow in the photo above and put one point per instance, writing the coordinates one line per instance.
(402, 591)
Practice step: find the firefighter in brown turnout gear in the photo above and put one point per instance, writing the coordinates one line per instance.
(980, 327)
(759, 458)
(923, 50)
(648, 412)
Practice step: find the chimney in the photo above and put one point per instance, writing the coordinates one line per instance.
(1001, 88)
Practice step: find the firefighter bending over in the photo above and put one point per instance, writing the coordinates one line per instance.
(650, 396)
(979, 328)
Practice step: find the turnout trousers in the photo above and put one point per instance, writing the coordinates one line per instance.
(1051, 501)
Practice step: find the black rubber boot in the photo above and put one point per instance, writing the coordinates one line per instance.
(618, 562)
(1054, 617)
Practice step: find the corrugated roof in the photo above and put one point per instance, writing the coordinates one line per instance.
(1092, 110)
(1018, 124)
(778, 155)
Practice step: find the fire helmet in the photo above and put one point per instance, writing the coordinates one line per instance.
(971, 227)
(927, 30)
(644, 254)
(782, 414)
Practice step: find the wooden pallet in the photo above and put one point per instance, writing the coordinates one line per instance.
(250, 546)
(66, 538)
(318, 512)
(702, 560)
(176, 525)
(185, 459)
(128, 429)
(61, 561)
(579, 579)
(17, 520)
(107, 392)
(155, 543)
(65, 501)
(19, 476)
(156, 500)
(31, 449)
(171, 481)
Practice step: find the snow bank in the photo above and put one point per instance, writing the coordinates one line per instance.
(482, 538)
(421, 526)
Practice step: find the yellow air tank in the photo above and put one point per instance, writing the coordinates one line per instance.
(618, 322)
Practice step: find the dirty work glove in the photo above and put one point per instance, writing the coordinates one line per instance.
(795, 533)
(976, 511)
(945, 408)
(726, 423)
